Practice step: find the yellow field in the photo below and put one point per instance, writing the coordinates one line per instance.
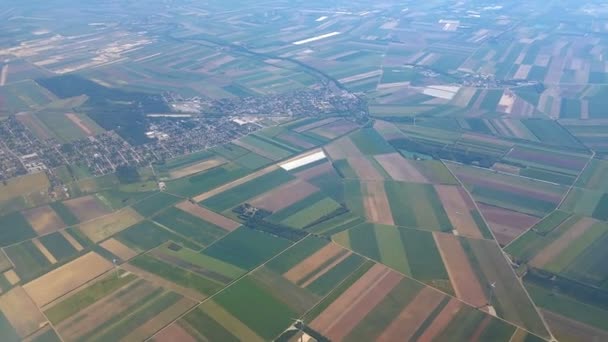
(24, 185)
(108, 225)
(66, 278)
(21, 312)
(196, 168)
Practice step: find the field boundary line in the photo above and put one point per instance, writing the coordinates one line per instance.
(224, 289)
(507, 259)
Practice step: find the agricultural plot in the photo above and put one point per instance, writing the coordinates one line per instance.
(400, 249)
(586, 202)
(19, 314)
(264, 148)
(208, 215)
(113, 309)
(242, 192)
(86, 208)
(592, 133)
(546, 164)
(14, 227)
(146, 235)
(510, 204)
(573, 247)
(67, 127)
(573, 312)
(103, 227)
(382, 305)
(417, 206)
(28, 259)
(23, 185)
(54, 284)
(246, 248)
(190, 226)
(155, 203)
(594, 176)
(284, 196)
(44, 220)
(207, 180)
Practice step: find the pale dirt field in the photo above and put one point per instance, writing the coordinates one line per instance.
(375, 201)
(462, 276)
(458, 211)
(342, 148)
(71, 240)
(311, 263)
(400, 169)
(86, 208)
(66, 278)
(196, 168)
(108, 225)
(118, 248)
(284, 195)
(12, 277)
(43, 219)
(364, 169)
(208, 215)
(21, 312)
(44, 251)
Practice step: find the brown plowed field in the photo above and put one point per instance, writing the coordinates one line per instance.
(174, 333)
(400, 169)
(506, 224)
(66, 278)
(284, 196)
(313, 262)
(442, 320)
(561, 243)
(208, 215)
(463, 278)
(457, 206)
(21, 312)
(86, 208)
(387, 130)
(316, 171)
(510, 187)
(480, 328)
(337, 320)
(375, 201)
(43, 219)
(364, 169)
(335, 129)
(409, 320)
(342, 148)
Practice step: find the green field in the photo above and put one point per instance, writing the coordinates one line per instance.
(189, 226)
(87, 296)
(58, 246)
(246, 248)
(177, 275)
(409, 251)
(146, 235)
(28, 260)
(155, 203)
(14, 228)
(417, 205)
(205, 181)
(369, 142)
(239, 194)
(296, 254)
(243, 301)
